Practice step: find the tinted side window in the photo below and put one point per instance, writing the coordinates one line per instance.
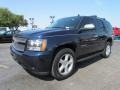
(99, 25)
(9, 33)
(108, 27)
(87, 21)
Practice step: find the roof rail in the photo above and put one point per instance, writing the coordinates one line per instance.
(103, 18)
(94, 16)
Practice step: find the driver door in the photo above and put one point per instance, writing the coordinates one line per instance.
(87, 37)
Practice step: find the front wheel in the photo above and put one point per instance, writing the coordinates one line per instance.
(107, 51)
(63, 64)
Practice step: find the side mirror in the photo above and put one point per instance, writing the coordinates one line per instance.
(88, 27)
(69, 28)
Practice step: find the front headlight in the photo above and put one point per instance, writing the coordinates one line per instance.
(37, 45)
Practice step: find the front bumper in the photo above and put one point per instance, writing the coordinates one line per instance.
(36, 62)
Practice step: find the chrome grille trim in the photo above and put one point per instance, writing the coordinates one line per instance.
(21, 40)
(19, 43)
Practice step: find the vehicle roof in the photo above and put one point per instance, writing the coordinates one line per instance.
(93, 16)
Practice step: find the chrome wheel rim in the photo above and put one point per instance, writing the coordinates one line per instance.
(108, 50)
(65, 64)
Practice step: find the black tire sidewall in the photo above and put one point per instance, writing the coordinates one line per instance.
(55, 72)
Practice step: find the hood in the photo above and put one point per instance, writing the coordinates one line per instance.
(43, 33)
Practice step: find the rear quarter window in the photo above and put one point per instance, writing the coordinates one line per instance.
(108, 27)
(100, 26)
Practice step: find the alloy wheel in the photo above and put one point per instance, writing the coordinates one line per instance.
(65, 64)
(108, 50)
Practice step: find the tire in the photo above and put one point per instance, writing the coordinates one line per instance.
(64, 64)
(107, 50)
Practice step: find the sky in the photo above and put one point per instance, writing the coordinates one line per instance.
(41, 10)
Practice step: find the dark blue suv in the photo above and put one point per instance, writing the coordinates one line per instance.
(56, 49)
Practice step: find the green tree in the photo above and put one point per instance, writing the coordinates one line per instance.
(17, 21)
(11, 20)
(5, 17)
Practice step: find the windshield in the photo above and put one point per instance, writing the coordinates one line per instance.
(68, 23)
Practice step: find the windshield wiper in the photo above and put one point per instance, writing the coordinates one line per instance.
(57, 27)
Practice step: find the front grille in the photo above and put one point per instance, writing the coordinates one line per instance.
(19, 43)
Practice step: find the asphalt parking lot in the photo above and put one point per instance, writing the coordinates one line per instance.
(94, 74)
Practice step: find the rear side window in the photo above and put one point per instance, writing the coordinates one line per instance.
(100, 26)
(9, 33)
(108, 26)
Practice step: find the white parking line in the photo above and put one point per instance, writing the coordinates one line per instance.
(4, 66)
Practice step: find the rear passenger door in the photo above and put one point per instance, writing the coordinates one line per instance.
(101, 34)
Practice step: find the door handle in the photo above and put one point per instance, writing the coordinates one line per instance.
(95, 35)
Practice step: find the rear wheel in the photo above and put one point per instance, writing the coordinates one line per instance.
(107, 51)
(63, 64)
